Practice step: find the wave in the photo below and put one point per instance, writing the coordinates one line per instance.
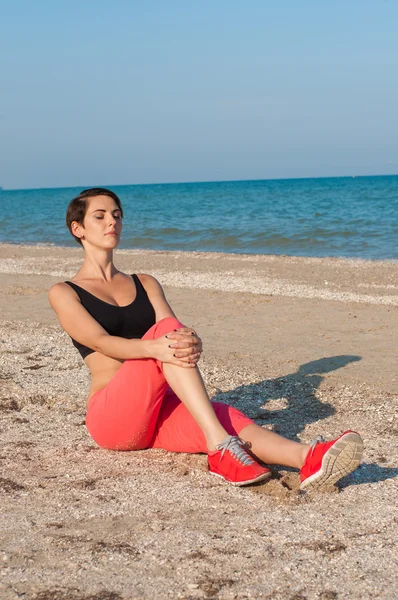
(318, 217)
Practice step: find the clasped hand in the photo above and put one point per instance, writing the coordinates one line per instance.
(180, 347)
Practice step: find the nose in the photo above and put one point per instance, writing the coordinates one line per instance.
(111, 220)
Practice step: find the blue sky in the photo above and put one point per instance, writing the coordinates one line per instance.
(106, 93)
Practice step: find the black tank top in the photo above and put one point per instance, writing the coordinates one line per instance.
(131, 321)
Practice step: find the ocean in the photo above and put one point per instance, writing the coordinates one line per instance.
(342, 217)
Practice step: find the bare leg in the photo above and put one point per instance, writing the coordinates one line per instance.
(268, 446)
(272, 448)
(189, 387)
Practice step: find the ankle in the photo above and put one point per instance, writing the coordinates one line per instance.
(212, 444)
(214, 439)
(304, 453)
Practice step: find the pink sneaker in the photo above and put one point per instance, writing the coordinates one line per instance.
(327, 462)
(231, 462)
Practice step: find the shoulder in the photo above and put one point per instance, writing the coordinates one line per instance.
(149, 282)
(60, 292)
(156, 296)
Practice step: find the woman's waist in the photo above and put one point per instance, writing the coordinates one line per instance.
(102, 369)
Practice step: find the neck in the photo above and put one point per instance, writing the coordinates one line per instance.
(98, 264)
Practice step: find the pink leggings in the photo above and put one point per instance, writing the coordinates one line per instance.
(138, 410)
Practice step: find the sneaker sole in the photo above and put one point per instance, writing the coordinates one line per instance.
(340, 460)
(262, 477)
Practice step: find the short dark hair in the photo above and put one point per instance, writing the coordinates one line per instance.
(77, 207)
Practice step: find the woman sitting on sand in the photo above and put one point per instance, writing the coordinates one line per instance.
(146, 390)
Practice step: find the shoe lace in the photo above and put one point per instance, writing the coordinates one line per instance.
(315, 441)
(235, 445)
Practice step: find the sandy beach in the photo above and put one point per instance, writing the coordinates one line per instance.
(304, 346)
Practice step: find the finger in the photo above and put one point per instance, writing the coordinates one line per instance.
(189, 330)
(189, 351)
(184, 331)
(187, 341)
(182, 355)
(191, 358)
(183, 336)
(180, 346)
(176, 334)
(184, 352)
(185, 365)
(195, 358)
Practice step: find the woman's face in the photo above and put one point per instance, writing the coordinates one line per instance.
(102, 223)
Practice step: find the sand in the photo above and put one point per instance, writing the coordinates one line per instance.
(304, 346)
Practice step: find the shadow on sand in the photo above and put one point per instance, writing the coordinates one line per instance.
(298, 407)
(368, 473)
(295, 393)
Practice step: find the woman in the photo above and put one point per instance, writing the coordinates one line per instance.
(146, 390)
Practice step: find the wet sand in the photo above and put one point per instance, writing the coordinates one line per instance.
(306, 347)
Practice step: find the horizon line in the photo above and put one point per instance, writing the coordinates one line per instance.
(196, 182)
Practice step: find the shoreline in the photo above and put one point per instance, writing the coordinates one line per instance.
(204, 253)
(334, 279)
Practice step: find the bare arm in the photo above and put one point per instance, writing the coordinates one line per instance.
(156, 296)
(184, 341)
(82, 327)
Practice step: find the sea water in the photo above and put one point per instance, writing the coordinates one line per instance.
(348, 217)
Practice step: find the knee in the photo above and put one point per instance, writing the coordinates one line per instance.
(166, 325)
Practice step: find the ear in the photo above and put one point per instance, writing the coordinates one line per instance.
(77, 229)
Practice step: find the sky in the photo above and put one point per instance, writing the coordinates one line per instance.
(94, 92)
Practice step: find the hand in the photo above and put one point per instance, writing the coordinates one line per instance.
(181, 347)
(187, 344)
